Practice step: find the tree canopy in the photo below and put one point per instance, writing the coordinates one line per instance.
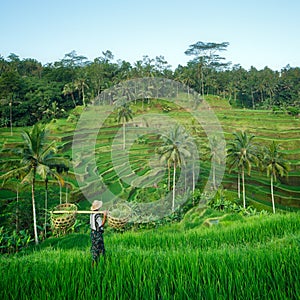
(29, 91)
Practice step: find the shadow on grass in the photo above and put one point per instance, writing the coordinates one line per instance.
(76, 241)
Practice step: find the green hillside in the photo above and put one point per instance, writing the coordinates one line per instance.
(208, 254)
(265, 125)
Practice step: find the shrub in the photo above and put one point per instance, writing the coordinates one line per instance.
(294, 111)
(11, 243)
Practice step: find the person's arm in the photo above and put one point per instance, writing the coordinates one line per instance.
(97, 221)
(104, 218)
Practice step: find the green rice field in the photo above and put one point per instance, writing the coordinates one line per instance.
(265, 125)
(249, 258)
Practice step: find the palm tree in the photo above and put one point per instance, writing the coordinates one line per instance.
(275, 165)
(214, 152)
(69, 89)
(175, 151)
(80, 85)
(241, 154)
(145, 93)
(124, 115)
(36, 158)
(234, 160)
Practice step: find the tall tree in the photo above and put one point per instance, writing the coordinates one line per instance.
(275, 165)
(174, 151)
(124, 115)
(242, 153)
(216, 156)
(206, 57)
(80, 85)
(35, 158)
(10, 86)
(69, 89)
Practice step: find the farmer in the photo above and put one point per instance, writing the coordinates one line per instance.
(97, 230)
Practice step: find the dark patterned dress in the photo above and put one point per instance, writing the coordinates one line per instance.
(97, 247)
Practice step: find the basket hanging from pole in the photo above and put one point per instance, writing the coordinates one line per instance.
(64, 221)
(118, 215)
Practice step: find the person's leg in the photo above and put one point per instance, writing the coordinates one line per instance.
(101, 244)
(94, 248)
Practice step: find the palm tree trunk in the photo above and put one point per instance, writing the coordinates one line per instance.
(123, 135)
(73, 99)
(17, 210)
(46, 206)
(272, 194)
(34, 213)
(66, 193)
(185, 179)
(83, 97)
(243, 182)
(169, 177)
(60, 193)
(214, 175)
(202, 83)
(174, 187)
(252, 97)
(239, 185)
(10, 116)
(193, 175)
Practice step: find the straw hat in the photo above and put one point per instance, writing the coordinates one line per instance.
(96, 205)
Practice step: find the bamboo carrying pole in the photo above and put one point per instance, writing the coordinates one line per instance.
(77, 212)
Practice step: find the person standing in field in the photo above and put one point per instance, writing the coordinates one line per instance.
(97, 229)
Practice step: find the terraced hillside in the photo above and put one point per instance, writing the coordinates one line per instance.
(123, 174)
(268, 127)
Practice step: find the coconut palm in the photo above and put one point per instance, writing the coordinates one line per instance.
(35, 158)
(174, 151)
(124, 115)
(214, 152)
(80, 85)
(234, 163)
(242, 153)
(275, 165)
(191, 166)
(69, 89)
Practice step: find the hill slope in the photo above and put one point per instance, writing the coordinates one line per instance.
(265, 125)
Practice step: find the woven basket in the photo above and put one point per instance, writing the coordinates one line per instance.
(65, 221)
(118, 222)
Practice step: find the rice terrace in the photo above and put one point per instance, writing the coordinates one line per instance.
(199, 178)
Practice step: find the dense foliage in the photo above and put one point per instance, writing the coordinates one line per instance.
(30, 91)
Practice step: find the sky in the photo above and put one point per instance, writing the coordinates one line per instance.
(260, 33)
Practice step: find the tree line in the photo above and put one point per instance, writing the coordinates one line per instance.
(32, 92)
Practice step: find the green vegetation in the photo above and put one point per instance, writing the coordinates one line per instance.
(34, 157)
(220, 247)
(32, 92)
(257, 186)
(245, 258)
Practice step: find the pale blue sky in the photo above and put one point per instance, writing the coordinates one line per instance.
(260, 33)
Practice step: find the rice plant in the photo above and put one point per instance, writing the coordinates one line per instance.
(254, 259)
